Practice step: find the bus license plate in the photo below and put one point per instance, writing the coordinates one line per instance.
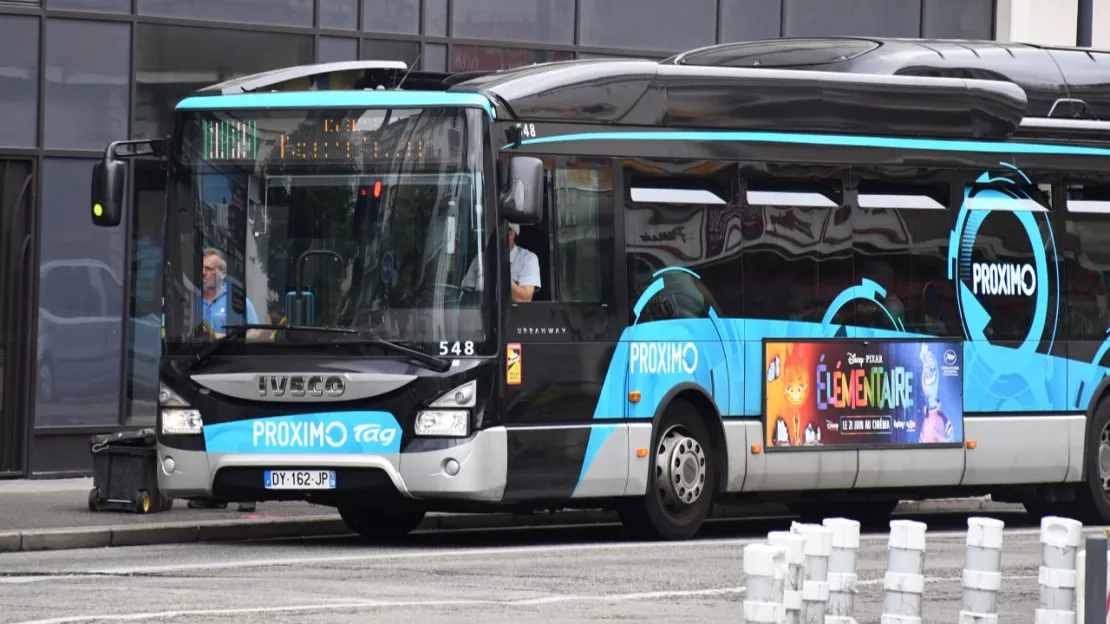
(299, 479)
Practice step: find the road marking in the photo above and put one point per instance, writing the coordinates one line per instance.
(468, 552)
(380, 604)
(952, 579)
(419, 554)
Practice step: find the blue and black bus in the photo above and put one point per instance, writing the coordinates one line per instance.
(834, 273)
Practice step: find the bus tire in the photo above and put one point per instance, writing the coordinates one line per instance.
(681, 479)
(1092, 503)
(382, 523)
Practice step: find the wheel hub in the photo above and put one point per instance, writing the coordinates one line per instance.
(679, 469)
(1104, 459)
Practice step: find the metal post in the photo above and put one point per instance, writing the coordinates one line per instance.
(1095, 576)
(815, 585)
(794, 545)
(1085, 24)
(842, 570)
(1060, 538)
(982, 571)
(765, 576)
(1081, 581)
(905, 573)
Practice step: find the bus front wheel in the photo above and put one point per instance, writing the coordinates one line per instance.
(382, 523)
(681, 480)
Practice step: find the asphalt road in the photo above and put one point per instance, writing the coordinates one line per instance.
(575, 574)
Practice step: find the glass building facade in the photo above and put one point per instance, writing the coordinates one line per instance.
(79, 305)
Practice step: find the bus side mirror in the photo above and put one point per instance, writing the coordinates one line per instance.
(107, 191)
(522, 202)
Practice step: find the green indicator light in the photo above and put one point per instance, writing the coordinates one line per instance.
(98, 210)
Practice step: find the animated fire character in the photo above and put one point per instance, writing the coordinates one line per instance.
(796, 389)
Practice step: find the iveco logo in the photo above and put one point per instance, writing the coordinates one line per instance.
(298, 386)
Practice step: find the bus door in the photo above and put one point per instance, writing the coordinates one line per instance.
(563, 411)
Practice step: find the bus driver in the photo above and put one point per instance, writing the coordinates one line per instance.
(524, 270)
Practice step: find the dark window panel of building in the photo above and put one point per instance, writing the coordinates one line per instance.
(435, 17)
(387, 50)
(476, 58)
(335, 49)
(339, 14)
(391, 16)
(19, 83)
(538, 21)
(173, 61)
(87, 88)
(91, 6)
(648, 24)
(81, 301)
(879, 18)
(435, 57)
(746, 20)
(283, 13)
(958, 19)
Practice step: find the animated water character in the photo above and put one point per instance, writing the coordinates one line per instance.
(935, 427)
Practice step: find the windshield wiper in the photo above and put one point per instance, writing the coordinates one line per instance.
(433, 362)
(235, 332)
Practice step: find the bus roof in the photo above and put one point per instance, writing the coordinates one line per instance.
(847, 85)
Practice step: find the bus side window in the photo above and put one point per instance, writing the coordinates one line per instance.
(1083, 251)
(574, 242)
(680, 230)
(900, 230)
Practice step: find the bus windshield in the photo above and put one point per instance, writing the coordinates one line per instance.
(362, 219)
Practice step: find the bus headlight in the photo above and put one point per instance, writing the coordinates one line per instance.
(169, 398)
(443, 423)
(462, 396)
(181, 422)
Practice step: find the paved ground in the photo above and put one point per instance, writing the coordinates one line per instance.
(578, 574)
(47, 504)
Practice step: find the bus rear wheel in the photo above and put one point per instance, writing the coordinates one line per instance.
(1093, 501)
(681, 479)
(387, 522)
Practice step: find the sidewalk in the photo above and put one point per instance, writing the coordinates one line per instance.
(53, 515)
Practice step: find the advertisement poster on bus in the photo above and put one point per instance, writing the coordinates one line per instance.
(840, 393)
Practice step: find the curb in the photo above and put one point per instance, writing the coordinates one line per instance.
(330, 525)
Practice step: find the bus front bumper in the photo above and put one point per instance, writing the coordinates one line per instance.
(472, 470)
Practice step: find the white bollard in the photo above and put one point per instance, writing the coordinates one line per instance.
(815, 585)
(765, 576)
(794, 545)
(905, 574)
(842, 570)
(1060, 538)
(982, 571)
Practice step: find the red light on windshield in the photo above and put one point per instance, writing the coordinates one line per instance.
(377, 189)
(362, 192)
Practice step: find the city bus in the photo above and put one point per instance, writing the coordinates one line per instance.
(830, 273)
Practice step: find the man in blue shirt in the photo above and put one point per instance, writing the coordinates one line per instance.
(214, 304)
(215, 301)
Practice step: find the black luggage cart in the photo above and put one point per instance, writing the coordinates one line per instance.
(125, 473)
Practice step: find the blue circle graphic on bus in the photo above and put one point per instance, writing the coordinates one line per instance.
(1006, 288)
(387, 266)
